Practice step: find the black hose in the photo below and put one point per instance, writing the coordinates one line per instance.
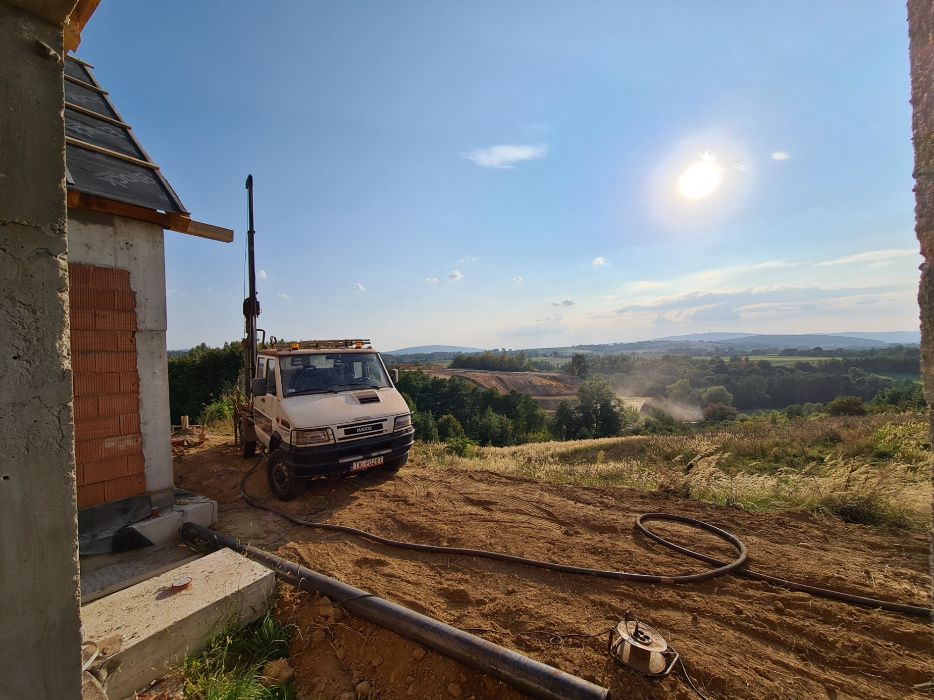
(735, 566)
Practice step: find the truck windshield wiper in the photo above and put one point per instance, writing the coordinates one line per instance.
(312, 391)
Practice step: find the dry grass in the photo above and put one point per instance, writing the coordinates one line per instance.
(873, 470)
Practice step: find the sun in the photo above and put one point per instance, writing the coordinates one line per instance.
(700, 179)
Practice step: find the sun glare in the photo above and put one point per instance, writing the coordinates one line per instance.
(700, 179)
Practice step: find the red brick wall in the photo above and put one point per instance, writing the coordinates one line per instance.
(108, 443)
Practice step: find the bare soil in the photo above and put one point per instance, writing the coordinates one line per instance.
(739, 638)
(547, 388)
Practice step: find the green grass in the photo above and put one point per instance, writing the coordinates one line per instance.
(231, 666)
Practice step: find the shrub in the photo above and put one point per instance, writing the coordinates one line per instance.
(462, 447)
(425, 427)
(450, 428)
(718, 412)
(847, 406)
(218, 414)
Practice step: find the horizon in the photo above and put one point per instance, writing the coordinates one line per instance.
(576, 182)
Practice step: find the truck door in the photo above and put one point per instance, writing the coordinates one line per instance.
(264, 405)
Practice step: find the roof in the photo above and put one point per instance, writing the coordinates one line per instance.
(103, 156)
(107, 168)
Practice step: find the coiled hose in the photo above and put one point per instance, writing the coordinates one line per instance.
(736, 566)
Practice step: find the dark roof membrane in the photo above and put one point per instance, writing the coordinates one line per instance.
(89, 126)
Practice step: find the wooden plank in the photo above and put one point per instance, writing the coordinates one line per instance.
(108, 152)
(96, 115)
(88, 86)
(214, 233)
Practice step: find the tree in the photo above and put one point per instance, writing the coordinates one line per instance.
(598, 409)
(679, 390)
(718, 412)
(716, 394)
(565, 421)
(846, 406)
(449, 428)
(425, 427)
(579, 366)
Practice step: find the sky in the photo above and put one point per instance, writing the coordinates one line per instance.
(527, 174)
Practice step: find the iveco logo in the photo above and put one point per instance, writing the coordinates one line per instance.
(365, 429)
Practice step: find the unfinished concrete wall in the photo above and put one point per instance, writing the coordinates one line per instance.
(921, 50)
(40, 642)
(136, 246)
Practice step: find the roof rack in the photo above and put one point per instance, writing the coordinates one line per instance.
(342, 343)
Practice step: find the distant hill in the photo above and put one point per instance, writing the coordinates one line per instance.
(902, 337)
(705, 337)
(430, 349)
(853, 340)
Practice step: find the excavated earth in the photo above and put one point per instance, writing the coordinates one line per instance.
(738, 638)
(547, 388)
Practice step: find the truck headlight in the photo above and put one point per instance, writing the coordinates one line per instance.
(402, 422)
(306, 438)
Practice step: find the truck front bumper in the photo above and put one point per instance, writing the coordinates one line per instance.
(337, 459)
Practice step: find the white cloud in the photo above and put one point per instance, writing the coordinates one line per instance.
(566, 302)
(467, 259)
(358, 287)
(455, 276)
(781, 155)
(262, 274)
(432, 280)
(506, 155)
(871, 256)
(645, 286)
(599, 262)
(518, 279)
(283, 295)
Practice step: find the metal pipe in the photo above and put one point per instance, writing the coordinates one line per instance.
(251, 304)
(531, 677)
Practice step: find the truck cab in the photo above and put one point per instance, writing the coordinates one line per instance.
(323, 408)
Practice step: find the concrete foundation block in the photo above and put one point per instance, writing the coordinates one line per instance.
(158, 628)
(163, 529)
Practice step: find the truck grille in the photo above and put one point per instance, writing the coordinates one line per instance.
(360, 430)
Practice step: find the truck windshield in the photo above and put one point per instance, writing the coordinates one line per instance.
(333, 372)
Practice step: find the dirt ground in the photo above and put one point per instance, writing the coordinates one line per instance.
(547, 388)
(739, 638)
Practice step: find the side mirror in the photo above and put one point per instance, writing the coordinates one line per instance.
(258, 386)
(395, 375)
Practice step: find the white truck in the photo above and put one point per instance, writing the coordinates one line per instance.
(323, 407)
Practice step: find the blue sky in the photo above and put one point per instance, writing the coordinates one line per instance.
(513, 174)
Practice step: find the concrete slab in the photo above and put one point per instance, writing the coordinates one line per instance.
(159, 628)
(108, 573)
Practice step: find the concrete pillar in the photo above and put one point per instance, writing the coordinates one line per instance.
(40, 639)
(921, 52)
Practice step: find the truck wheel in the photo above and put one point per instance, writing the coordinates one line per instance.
(283, 482)
(394, 465)
(247, 447)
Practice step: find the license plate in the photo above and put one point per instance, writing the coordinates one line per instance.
(366, 463)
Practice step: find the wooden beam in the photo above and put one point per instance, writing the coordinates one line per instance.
(215, 233)
(82, 200)
(181, 223)
(79, 17)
